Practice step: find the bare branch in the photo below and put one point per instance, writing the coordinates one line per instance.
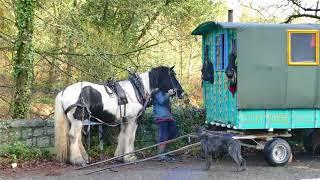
(6, 49)
(295, 16)
(5, 100)
(297, 3)
(101, 54)
(52, 64)
(152, 20)
(7, 19)
(251, 7)
(6, 37)
(9, 87)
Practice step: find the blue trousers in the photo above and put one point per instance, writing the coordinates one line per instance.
(167, 130)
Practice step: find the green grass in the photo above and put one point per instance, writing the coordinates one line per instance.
(20, 151)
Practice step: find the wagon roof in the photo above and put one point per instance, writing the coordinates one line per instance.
(210, 25)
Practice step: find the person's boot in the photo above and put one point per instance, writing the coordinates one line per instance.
(167, 157)
(161, 150)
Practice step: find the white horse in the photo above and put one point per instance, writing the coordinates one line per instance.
(77, 101)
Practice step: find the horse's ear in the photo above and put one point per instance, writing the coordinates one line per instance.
(172, 68)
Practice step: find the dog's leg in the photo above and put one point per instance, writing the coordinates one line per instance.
(234, 155)
(243, 164)
(208, 160)
(242, 161)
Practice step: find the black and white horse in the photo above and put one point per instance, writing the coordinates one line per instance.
(76, 99)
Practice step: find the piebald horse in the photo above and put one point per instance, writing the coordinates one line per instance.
(72, 104)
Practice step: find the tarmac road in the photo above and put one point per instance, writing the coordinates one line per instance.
(303, 167)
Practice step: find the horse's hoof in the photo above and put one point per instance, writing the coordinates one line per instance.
(81, 162)
(86, 158)
(129, 158)
(120, 160)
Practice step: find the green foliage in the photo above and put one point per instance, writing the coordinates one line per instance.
(44, 99)
(65, 41)
(20, 151)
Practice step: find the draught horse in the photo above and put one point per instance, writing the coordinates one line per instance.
(75, 100)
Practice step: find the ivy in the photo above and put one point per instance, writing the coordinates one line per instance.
(23, 71)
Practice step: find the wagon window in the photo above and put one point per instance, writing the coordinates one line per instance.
(303, 47)
(219, 47)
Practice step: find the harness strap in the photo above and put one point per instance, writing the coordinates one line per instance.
(138, 88)
(146, 102)
(107, 85)
(117, 90)
(72, 106)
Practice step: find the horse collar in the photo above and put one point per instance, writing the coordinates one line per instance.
(138, 87)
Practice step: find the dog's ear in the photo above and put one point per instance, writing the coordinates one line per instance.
(201, 133)
(196, 128)
(202, 128)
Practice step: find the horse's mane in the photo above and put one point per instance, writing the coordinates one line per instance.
(154, 75)
(160, 68)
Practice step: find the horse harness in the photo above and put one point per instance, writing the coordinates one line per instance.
(138, 88)
(113, 89)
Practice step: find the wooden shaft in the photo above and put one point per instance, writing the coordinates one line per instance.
(146, 159)
(148, 147)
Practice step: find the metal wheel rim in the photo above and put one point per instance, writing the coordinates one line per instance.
(279, 153)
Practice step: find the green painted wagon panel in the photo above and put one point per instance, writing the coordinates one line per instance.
(219, 102)
(317, 121)
(251, 119)
(207, 87)
(303, 118)
(302, 86)
(262, 68)
(222, 107)
(278, 119)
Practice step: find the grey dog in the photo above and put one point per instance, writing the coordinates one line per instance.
(218, 145)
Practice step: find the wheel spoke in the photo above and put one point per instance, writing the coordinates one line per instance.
(279, 152)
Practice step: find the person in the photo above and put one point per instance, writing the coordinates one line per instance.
(162, 115)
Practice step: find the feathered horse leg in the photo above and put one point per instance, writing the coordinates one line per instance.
(130, 134)
(76, 152)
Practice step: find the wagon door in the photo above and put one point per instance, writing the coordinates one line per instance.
(219, 102)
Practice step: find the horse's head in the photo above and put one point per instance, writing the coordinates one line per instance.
(164, 78)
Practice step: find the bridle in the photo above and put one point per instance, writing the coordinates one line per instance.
(172, 84)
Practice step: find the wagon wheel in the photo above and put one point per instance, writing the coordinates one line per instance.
(277, 152)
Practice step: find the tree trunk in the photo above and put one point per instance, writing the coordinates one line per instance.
(23, 58)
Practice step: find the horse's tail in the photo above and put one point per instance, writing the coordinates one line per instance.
(61, 125)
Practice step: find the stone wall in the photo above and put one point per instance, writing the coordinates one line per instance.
(35, 132)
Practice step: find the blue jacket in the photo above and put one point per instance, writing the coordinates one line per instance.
(161, 105)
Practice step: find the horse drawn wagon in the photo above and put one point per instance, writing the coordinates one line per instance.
(261, 78)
